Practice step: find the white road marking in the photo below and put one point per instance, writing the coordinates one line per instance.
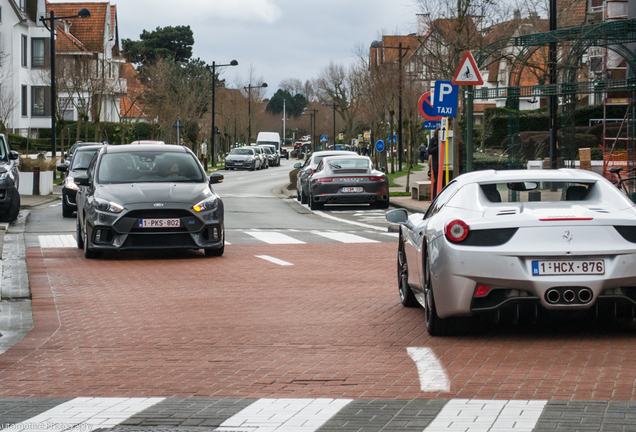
(487, 415)
(343, 237)
(274, 260)
(273, 237)
(86, 414)
(55, 205)
(247, 196)
(326, 216)
(56, 241)
(284, 415)
(432, 377)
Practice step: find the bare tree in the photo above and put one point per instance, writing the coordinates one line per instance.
(337, 84)
(8, 99)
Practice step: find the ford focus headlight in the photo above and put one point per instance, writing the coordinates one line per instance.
(207, 204)
(108, 206)
(70, 183)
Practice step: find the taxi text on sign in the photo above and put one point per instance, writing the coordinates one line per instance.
(467, 73)
(445, 98)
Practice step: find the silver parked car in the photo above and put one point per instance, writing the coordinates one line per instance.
(243, 158)
(522, 242)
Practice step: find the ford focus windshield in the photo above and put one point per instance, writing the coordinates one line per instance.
(149, 167)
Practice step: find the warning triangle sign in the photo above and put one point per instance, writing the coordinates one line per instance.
(467, 73)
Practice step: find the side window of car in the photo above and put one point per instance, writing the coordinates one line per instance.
(441, 199)
(320, 166)
(91, 168)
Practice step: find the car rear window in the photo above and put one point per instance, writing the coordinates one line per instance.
(82, 159)
(535, 191)
(348, 164)
(149, 167)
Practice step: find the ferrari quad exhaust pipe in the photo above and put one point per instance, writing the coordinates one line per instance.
(585, 295)
(553, 296)
(569, 296)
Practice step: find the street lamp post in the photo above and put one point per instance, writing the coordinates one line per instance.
(334, 106)
(83, 13)
(249, 109)
(213, 133)
(378, 44)
(312, 125)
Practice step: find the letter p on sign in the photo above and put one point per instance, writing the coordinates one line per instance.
(445, 98)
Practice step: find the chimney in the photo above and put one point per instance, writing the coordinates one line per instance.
(517, 14)
(422, 24)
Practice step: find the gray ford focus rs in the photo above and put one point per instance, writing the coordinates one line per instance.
(150, 197)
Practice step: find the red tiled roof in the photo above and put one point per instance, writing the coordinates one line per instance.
(67, 43)
(132, 105)
(480, 107)
(90, 31)
(392, 55)
(571, 13)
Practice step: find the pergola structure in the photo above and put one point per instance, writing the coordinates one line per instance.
(574, 43)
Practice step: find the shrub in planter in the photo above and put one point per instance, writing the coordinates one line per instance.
(293, 154)
(293, 177)
(27, 164)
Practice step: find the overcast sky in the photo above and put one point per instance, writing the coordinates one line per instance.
(279, 38)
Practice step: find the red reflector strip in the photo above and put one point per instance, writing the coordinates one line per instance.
(325, 180)
(482, 290)
(565, 219)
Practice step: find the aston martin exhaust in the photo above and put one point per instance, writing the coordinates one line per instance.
(585, 295)
(569, 296)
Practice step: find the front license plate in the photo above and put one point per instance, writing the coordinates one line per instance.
(351, 189)
(159, 223)
(576, 267)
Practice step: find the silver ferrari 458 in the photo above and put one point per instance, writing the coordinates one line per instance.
(520, 241)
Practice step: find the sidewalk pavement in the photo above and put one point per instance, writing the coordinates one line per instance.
(406, 202)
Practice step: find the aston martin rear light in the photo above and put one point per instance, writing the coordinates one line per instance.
(325, 180)
(456, 230)
(372, 178)
(482, 290)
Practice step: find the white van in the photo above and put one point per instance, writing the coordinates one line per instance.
(271, 138)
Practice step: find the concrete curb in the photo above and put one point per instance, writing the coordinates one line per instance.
(44, 200)
(410, 208)
(283, 192)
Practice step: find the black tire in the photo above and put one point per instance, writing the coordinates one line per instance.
(406, 295)
(298, 198)
(303, 198)
(78, 233)
(253, 167)
(14, 206)
(88, 252)
(315, 205)
(436, 326)
(66, 211)
(215, 252)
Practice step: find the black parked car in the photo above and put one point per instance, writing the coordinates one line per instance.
(78, 164)
(69, 155)
(148, 197)
(9, 182)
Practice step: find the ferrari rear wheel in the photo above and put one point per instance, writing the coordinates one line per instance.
(315, 205)
(435, 325)
(406, 295)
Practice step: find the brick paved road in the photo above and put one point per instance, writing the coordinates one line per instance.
(329, 326)
(241, 327)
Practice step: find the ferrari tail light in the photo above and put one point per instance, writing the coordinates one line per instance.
(456, 230)
(482, 290)
(325, 180)
(379, 179)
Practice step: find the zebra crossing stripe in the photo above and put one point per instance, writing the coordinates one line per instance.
(487, 415)
(273, 237)
(56, 241)
(284, 415)
(343, 237)
(274, 260)
(86, 414)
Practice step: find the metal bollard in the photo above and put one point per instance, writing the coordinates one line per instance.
(36, 180)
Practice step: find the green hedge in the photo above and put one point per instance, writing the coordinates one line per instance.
(22, 144)
(496, 121)
(483, 161)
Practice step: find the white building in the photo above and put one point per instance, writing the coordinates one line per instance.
(88, 62)
(24, 67)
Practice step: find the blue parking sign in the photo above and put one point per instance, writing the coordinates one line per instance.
(445, 102)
